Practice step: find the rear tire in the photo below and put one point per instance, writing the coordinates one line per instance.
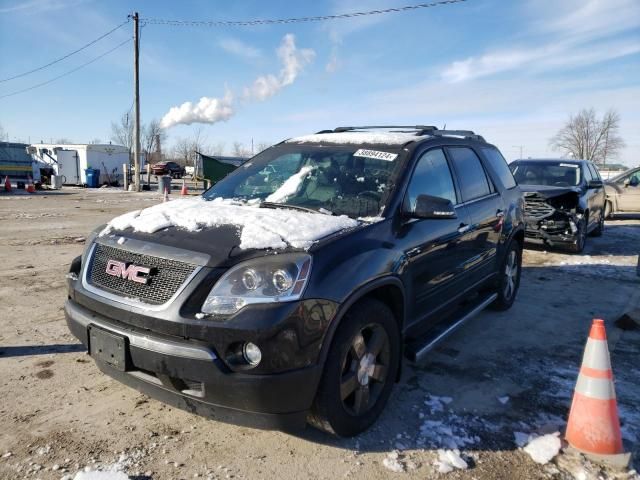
(360, 370)
(509, 277)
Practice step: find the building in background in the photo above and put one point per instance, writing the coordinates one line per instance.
(71, 160)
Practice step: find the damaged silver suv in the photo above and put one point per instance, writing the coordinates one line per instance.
(564, 201)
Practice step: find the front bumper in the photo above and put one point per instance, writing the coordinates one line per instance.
(191, 376)
(551, 232)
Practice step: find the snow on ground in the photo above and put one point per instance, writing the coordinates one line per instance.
(392, 462)
(261, 228)
(448, 460)
(100, 475)
(543, 449)
(450, 432)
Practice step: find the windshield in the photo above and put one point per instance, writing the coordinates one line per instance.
(338, 180)
(554, 174)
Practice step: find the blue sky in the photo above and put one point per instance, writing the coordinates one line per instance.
(511, 70)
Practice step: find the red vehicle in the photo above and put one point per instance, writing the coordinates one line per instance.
(168, 168)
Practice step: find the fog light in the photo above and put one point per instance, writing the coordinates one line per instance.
(251, 353)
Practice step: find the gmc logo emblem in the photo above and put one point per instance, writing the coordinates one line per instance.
(128, 272)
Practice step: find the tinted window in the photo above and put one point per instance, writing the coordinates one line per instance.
(588, 175)
(594, 171)
(431, 177)
(499, 167)
(471, 175)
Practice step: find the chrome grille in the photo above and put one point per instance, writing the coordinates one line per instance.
(166, 276)
(537, 208)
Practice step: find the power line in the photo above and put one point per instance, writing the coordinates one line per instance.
(248, 23)
(65, 56)
(66, 73)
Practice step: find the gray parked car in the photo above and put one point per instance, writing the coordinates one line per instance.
(623, 192)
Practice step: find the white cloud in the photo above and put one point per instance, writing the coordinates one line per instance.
(212, 110)
(207, 110)
(239, 48)
(293, 62)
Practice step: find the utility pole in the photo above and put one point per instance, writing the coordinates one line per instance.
(520, 147)
(136, 97)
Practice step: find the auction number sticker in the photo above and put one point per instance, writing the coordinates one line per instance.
(389, 157)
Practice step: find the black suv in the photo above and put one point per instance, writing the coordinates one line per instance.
(564, 201)
(290, 290)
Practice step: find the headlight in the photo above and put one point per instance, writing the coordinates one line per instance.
(276, 278)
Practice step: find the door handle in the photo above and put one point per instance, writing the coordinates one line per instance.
(464, 228)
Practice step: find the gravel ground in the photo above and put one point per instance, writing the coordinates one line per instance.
(502, 373)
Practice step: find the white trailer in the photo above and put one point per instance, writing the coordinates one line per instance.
(71, 160)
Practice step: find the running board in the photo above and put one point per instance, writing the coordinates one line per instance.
(417, 350)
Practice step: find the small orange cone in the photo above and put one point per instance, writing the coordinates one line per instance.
(594, 427)
(30, 186)
(184, 190)
(7, 183)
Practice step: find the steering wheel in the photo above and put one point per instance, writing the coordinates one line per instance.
(370, 193)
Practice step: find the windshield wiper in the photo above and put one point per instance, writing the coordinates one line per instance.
(287, 205)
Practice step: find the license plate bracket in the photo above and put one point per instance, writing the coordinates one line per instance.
(108, 347)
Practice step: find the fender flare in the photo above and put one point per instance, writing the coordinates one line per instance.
(354, 297)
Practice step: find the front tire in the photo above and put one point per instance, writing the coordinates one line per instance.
(509, 277)
(599, 230)
(581, 236)
(360, 370)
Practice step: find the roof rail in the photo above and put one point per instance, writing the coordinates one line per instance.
(374, 127)
(458, 133)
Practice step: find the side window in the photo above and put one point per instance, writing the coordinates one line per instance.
(586, 172)
(499, 167)
(432, 176)
(471, 175)
(594, 171)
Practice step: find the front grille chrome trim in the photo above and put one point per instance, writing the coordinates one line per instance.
(86, 271)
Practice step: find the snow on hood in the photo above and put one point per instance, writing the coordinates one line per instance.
(261, 228)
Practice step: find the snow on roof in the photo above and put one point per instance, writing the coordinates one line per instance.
(260, 227)
(359, 137)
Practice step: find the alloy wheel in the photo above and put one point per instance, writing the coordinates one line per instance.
(511, 274)
(364, 369)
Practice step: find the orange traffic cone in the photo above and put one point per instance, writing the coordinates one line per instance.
(30, 186)
(7, 183)
(594, 427)
(184, 190)
(166, 195)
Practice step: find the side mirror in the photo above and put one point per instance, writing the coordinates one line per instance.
(595, 184)
(428, 206)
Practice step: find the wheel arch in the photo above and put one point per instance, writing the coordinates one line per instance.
(389, 290)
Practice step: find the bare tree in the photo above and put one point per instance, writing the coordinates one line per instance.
(96, 141)
(217, 148)
(585, 136)
(122, 132)
(63, 141)
(262, 146)
(153, 136)
(2, 133)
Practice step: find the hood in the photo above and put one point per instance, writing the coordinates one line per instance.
(546, 191)
(225, 230)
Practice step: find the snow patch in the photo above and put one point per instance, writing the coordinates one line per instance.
(260, 228)
(358, 137)
(448, 460)
(100, 475)
(290, 187)
(543, 449)
(392, 462)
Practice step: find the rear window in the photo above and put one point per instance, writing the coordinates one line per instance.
(499, 166)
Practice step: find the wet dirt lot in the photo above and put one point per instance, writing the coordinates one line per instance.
(501, 373)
